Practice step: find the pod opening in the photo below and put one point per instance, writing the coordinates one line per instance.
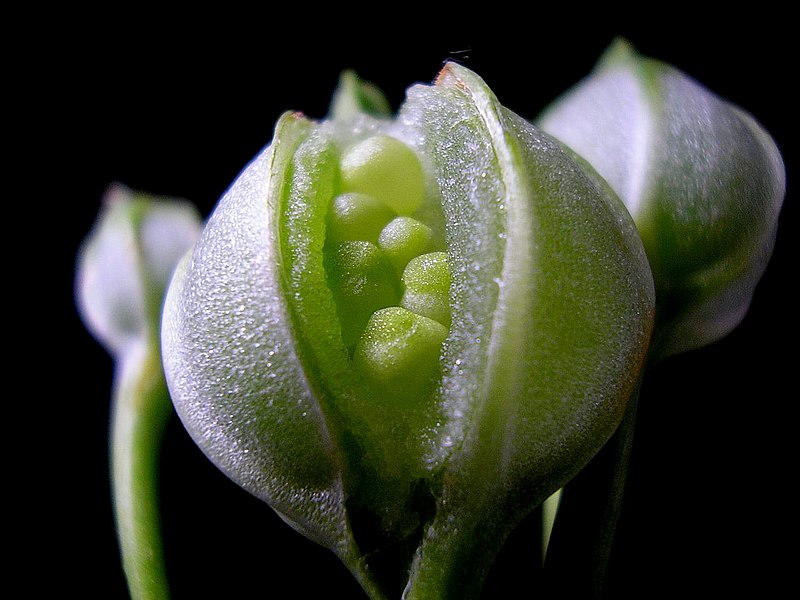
(387, 268)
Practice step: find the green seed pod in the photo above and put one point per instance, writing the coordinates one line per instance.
(125, 264)
(702, 179)
(122, 271)
(492, 367)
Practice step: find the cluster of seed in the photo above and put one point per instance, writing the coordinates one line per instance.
(390, 279)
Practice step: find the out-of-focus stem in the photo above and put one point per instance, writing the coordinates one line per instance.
(140, 411)
(580, 544)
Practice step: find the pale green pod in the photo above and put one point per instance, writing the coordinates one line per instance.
(122, 271)
(126, 262)
(510, 391)
(702, 179)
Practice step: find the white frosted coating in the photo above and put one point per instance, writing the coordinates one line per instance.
(125, 263)
(109, 287)
(698, 153)
(551, 303)
(592, 309)
(474, 211)
(719, 188)
(167, 232)
(702, 179)
(718, 173)
(517, 306)
(552, 308)
(232, 368)
(608, 121)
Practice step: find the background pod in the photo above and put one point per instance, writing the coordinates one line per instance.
(701, 177)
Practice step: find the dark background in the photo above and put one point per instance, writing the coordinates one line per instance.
(177, 106)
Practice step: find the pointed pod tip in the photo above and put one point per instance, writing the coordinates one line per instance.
(444, 73)
(293, 120)
(618, 53)
(115, 194)
(462, 78)
(453, 74)
(354, 96)
(348, 76)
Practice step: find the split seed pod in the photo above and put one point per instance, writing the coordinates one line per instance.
(702, 179)
(404, 334)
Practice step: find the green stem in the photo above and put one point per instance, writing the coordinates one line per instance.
(549, 512)
(140, 411)
(588, 512)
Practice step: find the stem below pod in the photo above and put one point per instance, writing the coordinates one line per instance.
(122, 270)
(140, 411)
(588, 513)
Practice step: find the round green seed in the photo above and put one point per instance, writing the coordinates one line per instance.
(355, 216)
(426, 283)
(403, 239)
(386, 169)
(362, 281)
(399, 352)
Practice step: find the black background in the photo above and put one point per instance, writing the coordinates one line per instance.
(177, 106)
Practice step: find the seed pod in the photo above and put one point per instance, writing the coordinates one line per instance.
(126, 262)
(702, 179)
(406, 400)
(123, 268)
